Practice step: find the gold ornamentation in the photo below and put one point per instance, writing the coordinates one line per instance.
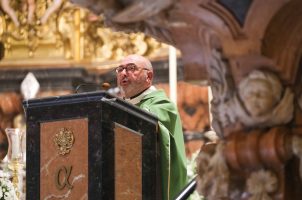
(63, 141)
(43, 31)
(32, 33)
(101, 43)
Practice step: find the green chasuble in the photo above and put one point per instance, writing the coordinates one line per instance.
(172, 150)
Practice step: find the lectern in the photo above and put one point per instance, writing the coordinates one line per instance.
(90, 146)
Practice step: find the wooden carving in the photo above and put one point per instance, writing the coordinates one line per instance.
(261, 101)
(222, 89)
(214, 182)
(144, 9)
(260, 184)
(266, 100)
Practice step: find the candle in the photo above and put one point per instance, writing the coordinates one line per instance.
(14, 136)
(15, 145)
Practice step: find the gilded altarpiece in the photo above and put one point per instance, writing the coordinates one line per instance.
(60, 33)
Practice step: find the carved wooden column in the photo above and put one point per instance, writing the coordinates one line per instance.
(257, 110)
(255, 113)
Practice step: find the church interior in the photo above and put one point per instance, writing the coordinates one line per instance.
(238, 74)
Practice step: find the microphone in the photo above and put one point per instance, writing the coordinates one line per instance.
(89, 87)
(106, 86)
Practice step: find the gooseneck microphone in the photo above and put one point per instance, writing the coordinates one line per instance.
(89, 87)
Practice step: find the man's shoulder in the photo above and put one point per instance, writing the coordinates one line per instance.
(157, 96)
(157, 101)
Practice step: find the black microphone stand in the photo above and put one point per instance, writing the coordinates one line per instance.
(188, 190)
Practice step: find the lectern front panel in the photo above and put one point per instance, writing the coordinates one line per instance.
(64, 159)
(128, 164)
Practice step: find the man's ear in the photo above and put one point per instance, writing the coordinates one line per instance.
(150, 76)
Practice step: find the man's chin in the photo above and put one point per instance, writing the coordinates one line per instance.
(124, 87)
(125, 90)
(124, 84)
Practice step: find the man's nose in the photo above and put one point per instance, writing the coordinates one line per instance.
(124, 71)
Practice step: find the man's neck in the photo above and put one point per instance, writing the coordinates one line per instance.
(137, 98)
(139, 93)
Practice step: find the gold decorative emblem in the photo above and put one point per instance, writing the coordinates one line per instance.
(64, 140)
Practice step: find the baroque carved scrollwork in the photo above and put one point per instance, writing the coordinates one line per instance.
(143, 9)
(213, 179)
(150, 16)
(222, 89)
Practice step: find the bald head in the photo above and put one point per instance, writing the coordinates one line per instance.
(138, 60)
(135, 75)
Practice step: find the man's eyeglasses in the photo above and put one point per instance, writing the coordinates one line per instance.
(129, 68)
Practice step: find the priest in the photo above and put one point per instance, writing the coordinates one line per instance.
(134, 78)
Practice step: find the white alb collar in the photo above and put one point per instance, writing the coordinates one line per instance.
(137, 99)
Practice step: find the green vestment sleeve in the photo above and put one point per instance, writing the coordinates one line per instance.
(172, 150)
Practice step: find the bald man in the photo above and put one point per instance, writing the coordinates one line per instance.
(134, 78)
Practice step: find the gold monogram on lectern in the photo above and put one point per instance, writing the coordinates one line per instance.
(63, 141)
(65, 173)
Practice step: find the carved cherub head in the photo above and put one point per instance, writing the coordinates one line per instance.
(260, 91)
